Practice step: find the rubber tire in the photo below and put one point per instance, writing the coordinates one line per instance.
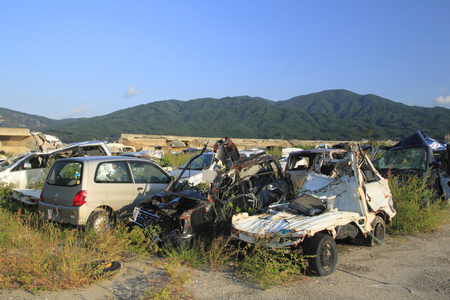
(112, 266)
(378, 232)
(106, 267)
(100, 221)
(324, 256)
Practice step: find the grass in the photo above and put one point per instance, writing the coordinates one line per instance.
(416, 211)
(175, 160)
(171, 284)
(260, 265)
(269, 267)
(37, 255)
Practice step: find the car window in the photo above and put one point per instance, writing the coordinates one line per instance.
(31, 162)
(298, 163)
(202, 162)
(112, 172)
(378, 155)
(10, 161)
(65, 174)
(93, 151)
(402, 159)
(147, 173)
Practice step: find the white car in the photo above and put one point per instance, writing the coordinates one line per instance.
(22, 170)
(341, 198)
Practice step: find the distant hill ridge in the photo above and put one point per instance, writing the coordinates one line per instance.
(327, 115)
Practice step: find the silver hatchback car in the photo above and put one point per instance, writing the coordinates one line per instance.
(95, 191)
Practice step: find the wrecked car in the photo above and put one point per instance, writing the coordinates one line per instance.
(343, 198)
(182, 211)
(195, 170)
(285, 155)
(26, 168)
(416, 155)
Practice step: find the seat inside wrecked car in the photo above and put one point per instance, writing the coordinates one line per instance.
(308, 205)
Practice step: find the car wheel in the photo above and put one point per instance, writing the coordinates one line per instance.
(323, 255)
(378, 232)
(100, 221)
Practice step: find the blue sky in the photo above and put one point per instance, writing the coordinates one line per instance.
(63, 59)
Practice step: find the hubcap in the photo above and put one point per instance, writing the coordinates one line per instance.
(101, 224)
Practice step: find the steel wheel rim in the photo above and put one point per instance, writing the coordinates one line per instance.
(326, 256)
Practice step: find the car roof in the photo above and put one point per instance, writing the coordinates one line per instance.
(103, 158)
(318, 150)
(81, 144)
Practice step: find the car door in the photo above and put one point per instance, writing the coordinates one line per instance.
(28, 170)
(149, 179)
(378, 194)
(113, 186)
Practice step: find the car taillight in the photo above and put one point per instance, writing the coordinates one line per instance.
(42, 193)
(80, 198)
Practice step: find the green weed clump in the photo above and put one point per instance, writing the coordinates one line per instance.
(270, 266)
(417, 207)
(215, 254)
(171, 284)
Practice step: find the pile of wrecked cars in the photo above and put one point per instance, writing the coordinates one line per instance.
(183, 211)
(343, 197)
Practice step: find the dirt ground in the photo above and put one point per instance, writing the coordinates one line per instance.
(409, 266)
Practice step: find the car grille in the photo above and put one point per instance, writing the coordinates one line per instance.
(144, 218)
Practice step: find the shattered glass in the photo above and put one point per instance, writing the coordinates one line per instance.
(403, 159)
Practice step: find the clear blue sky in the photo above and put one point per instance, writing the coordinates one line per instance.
(62, 59)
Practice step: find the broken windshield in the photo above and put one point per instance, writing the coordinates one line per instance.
(402, 159)
(201, 162)
(6, 163)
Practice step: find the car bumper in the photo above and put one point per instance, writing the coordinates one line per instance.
(64, 214)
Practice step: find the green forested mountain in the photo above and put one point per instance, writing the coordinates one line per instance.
(243, 117)
(15, 119)
(328, 115)
(388, 118)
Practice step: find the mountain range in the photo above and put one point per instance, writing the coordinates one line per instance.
(326, 115)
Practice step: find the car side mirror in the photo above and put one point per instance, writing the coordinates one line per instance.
(27, 165)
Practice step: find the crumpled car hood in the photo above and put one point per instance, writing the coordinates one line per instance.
(282, 229)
